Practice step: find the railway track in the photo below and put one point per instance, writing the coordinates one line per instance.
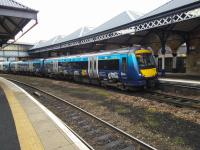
(174, 100)
(93, 131)
(190, 87)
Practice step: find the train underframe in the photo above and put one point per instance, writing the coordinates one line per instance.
(126, 85)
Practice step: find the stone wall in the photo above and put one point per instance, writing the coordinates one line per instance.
(193, 63)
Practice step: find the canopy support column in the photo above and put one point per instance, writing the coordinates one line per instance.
(163, 39)
(174, 60)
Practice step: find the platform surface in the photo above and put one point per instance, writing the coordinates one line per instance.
(28, 125)
(181, 81)
(181, 78)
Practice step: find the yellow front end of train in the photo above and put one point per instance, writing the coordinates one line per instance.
(147, 66)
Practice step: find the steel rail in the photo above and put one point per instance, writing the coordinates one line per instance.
(181, 85)
(177, 100)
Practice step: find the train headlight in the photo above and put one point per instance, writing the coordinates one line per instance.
(141, 77)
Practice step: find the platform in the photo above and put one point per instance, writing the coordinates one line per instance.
(28, 125)
(181, 79)
(182, 76)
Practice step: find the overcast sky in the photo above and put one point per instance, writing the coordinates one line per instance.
(62, 17)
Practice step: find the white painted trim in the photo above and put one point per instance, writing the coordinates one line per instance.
(180, 81)
(56, 120)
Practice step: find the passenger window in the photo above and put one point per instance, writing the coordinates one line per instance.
(124, 65)
(112, 64)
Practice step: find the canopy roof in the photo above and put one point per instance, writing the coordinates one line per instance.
(121, 19)
(127, 28)
(13, 17)
(171, 5)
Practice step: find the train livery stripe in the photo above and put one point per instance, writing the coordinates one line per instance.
(27, 135)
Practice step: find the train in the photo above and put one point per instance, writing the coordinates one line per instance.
(124, 68)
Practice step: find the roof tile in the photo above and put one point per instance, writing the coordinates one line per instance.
(13, 4)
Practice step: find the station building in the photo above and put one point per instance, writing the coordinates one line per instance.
(172, 31)
(15, 51)
(14, 17)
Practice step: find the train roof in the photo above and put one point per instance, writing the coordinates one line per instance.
(91, 54)
(117, 51)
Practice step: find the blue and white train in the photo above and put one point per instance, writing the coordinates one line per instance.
(124, 68)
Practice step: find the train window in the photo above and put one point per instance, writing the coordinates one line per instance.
(78, 65)
(70, 65)
(84, 64)
(146, 61)
(36, 65)
(75, 65)
(112, 64)
(124, 65)
(61, 64)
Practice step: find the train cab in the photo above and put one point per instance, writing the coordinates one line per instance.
(147, 66)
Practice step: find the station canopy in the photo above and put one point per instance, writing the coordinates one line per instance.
(128, 28)
(62, 38)
(13, 18)
(121, 19)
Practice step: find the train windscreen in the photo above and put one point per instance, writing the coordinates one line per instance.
(146, 61)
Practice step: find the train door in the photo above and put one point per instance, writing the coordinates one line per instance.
(93, 67)
(1, 67)
(31, 66)
(90, 67)
(124, 67)
(42, 67)
(16, 67)
(55, 66)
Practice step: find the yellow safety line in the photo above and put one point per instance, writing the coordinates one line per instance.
(27, 135)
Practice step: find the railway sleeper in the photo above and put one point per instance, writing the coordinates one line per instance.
(76, 117)
(104, 138)
(130, 147)
(82, 122)
(94, 132)
(66, 113)
(112, 144)
(72, 114)
(87, 127)
(60, 108)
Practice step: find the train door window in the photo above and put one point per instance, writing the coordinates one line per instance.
(94, 64)
(90, 64)
(124, 65)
